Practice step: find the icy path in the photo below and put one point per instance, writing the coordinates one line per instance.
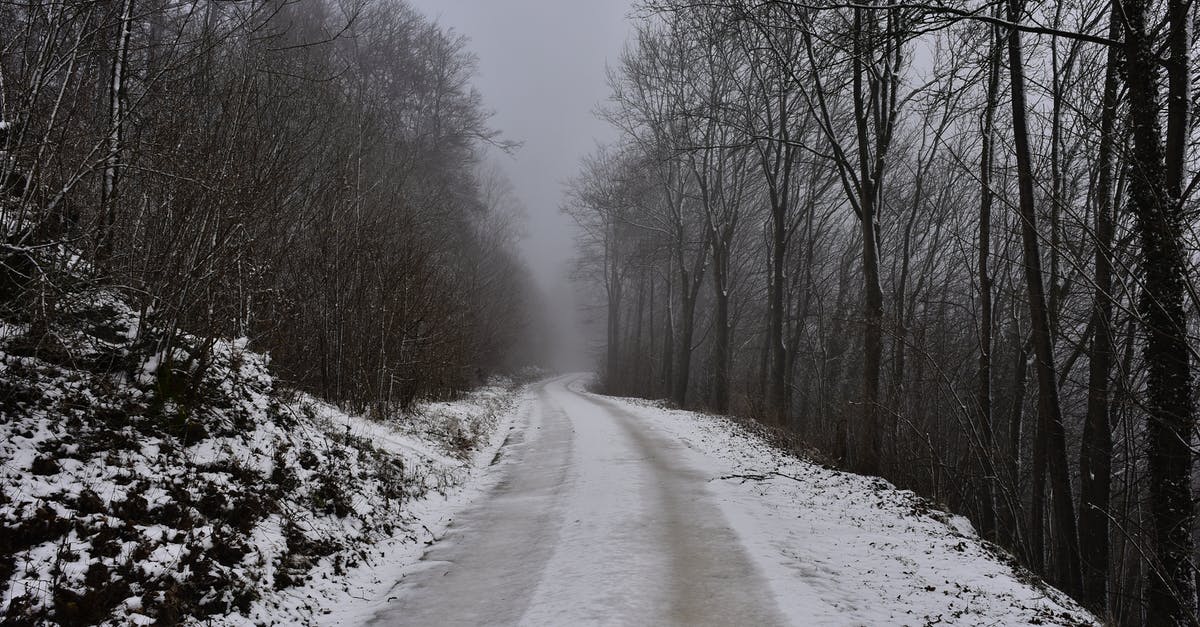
(596, 522)
(608, 512)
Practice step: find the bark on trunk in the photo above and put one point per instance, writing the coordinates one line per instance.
(871, 452)
(1156, 201)
(872, 455)
(721, 357)
(683, 350)
(690, 282)
(614, 340)
(1015, 425)
(1053, 436)
(776, 384)
(668, 354)
(612, 278)
(116, 134)
(987, 522)
(1095, 455)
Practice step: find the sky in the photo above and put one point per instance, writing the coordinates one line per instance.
(542, 70)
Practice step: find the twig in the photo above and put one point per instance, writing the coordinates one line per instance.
(761, 477)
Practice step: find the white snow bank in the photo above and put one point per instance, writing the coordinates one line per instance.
(844, 549)
(336, 592)
(141, 490)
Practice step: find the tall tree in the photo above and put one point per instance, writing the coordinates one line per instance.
(777, 121)
(876, 59)
(1096, 450)
(117, 112)
(1156, 201)
(986, 307)
(1051, 433)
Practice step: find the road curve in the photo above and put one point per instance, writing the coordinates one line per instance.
(595, 521)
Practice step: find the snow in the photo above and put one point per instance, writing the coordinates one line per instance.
(617, 511)
(352, 596)
(844, 549)
(545, 506)
(331, 591)
(282, 509)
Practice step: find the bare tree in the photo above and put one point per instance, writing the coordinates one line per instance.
(1156, 200)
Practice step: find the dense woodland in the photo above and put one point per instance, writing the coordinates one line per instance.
(308, 174)
(949, 243)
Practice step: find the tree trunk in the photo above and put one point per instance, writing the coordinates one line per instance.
(690, 282)
(639, 364)
(1015, 422)
(117, 96)
(1050, 413)
(1095, 455)
(776, 380)
(683, 348)
(1037, 501)
(871, 453)
(647, 384)
(721, 349)
(1156, 201)
(987, 520)
(612, 279)
(668, 354)
(612, 380)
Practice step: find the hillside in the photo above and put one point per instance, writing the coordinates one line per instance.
(142, 485)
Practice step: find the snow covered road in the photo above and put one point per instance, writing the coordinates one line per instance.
(595, 522)
(607, 512)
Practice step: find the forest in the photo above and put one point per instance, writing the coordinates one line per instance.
(260, 290)
(948, 243)
(306, 174)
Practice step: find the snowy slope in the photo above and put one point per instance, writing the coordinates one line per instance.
(350, 595)
(143, 490)
(844, 549)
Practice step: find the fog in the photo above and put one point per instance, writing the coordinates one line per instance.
(906, 290)
(542, 71)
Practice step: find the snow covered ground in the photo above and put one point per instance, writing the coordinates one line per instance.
(333, 595)
(844, 549)
(143, 490)
(615, 511)
(544, 505)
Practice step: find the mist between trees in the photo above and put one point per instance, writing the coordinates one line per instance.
(303, 173)
(949, 243)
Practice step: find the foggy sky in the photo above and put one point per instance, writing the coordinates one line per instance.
(542, 71)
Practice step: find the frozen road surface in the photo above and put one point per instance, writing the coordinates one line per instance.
(607, 512)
